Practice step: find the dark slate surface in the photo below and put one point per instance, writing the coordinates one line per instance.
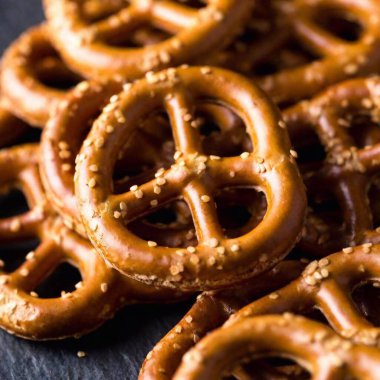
(115, 351)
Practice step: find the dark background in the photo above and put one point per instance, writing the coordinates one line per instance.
(116, 350)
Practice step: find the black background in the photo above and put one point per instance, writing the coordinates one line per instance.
(116, 350)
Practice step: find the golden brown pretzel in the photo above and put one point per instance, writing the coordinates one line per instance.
(96, 298)
(67, 129)
(94, 46)
(296, 40)
(216, 261)
(34, 78)
(327, 285)
(210, 311)
(314, 346)
(347, 170)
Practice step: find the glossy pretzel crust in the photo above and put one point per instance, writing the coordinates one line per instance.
(271, 168)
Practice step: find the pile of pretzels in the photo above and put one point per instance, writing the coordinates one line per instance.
(219, 149)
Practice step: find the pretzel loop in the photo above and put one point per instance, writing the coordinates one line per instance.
(270, 168)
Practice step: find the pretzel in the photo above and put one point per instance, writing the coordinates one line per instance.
(66, 131)
(97, 297)
(34, 78)
(348, 168)
(327, 285)
(314, 346)
(11, 128)
(218, 306)
(216, 261)
(93, 45)
(321, 56)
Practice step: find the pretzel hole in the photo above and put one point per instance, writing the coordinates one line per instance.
(32, 135)
(240, 210)
(62, 279)
(53, 73)
(270, 367)
(327, 216)
(14, 254)
(366, 297)
(149, 148)
(12, 203)
(169, 226)
(48, 67)
(316, 314)
(290, 56)
(363, 129)
(339, 23)
(144, 35)
(374, 199)
(222, 132)
(97, 10)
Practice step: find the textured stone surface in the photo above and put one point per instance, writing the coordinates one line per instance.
(118, 348)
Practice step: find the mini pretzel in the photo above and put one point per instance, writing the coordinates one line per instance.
(347, 170)
(327, 285)
(277, 24)
(67, 128)
(34, 78)
(216, 261)
(314, 346)
(97, 297)
(218, 306)
(93, 47)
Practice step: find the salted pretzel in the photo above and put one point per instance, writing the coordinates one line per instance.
(11, 127)
(92, 41)
(341, 116)
(216, 261)
(34, 78)
(327, 285)
(95, 299)
(67, 129)
(209, 312)
(295, 48)
(314, 346)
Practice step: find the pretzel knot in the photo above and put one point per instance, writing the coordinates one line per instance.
(95, 299)
(216, 260)
(311, 344)
(327, 285)
(96, 36)
(348, 169)
(34, 78)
